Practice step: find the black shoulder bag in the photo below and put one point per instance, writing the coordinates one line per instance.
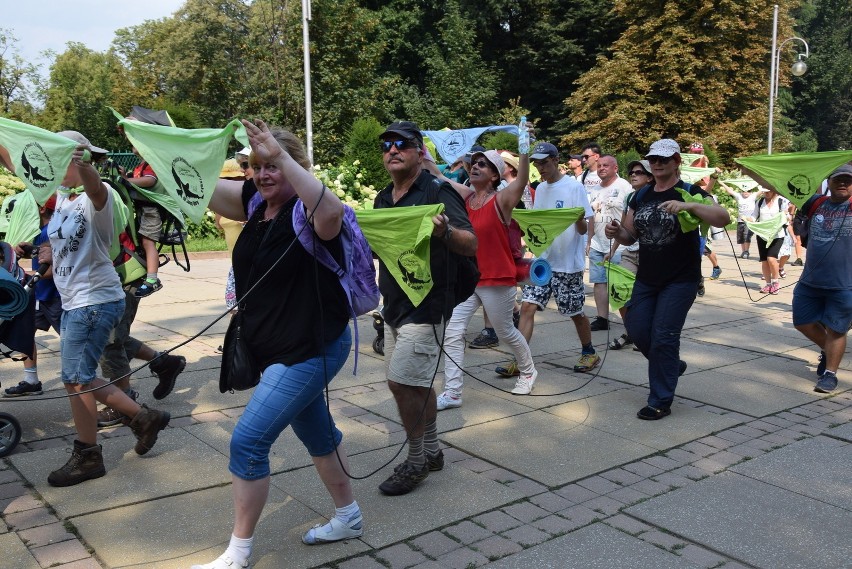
(239, 369)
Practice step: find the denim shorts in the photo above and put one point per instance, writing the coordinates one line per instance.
(598, 274)
(288, 395)
(82, 336)
(832, 308)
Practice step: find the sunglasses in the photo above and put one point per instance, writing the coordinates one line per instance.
(659, 159)
(400, 144)
(244, 165)
(638, 173)
(481, 163)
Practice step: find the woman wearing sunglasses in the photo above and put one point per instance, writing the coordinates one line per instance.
(489, 211)
(669, 270)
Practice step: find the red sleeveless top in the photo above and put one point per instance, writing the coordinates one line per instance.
(493, 255)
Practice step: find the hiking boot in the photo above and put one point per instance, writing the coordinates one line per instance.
(524, 385)
(435, 462)
(108, 417)
(404, 478)
(509, 370)
(86, 463)
(334, 530)
(587, 362)
(798, 263)
(717, 271)
(148, 288)
(146, 425)
(827, 383)
(24, 388)
(486, 339)
(166, 368)
(821, 364)
(447, 400)
(599, 324)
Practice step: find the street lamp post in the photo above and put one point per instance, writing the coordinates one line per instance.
(309, 127)
(798, 69)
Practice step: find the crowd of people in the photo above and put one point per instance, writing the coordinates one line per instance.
(637, 222)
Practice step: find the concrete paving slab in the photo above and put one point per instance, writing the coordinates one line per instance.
(179, 463)
(448, 495)
(597, 546)
(194, 528)
(739, 394)
(755, 522)
(615, 413)
(550, 449)
(842, 432)
(753, 338)
(16, 554)
(820, 468)
(776, 371)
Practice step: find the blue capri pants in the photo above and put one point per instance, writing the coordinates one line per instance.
(289, 395)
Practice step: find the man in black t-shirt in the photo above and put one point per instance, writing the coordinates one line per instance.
(413, 333)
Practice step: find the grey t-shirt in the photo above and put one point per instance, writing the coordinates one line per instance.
(829, 264)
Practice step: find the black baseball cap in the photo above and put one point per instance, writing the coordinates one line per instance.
(405, 129)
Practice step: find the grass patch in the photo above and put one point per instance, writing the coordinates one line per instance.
(206, 244)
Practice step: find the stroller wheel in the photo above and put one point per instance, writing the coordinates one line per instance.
(10, 434)
(379, 345)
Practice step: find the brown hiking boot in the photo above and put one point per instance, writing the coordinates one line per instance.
(146, 425)
(86, 463)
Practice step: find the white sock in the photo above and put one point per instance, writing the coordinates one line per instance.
(239, 549)
(31, 375)
(348, 513)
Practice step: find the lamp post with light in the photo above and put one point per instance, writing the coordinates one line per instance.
(798, 69)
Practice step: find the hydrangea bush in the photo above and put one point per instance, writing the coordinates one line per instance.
(347, 182)
(9, 183)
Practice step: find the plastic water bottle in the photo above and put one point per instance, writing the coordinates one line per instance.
(523, 137)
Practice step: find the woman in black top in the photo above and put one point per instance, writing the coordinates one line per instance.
(669, 270)
(299, 347)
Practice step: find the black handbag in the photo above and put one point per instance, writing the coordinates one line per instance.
(239, 369)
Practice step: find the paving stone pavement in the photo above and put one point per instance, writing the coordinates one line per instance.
(752, 469)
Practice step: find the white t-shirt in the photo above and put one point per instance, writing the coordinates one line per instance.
(608, 204)
(567, 253)
(745, 206)
(764, 210)
(592, 180)
(80, 237)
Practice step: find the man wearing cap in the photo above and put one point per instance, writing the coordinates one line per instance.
(565, 256)
(822, 300)
(412, 335)
(608, 204)
(575, 165)
(669, 270)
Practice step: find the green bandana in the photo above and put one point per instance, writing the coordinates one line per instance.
(620, 284)
(68, 191)
(120, 214)
(688, 221)
(40, 157)
(693, 174)
(400, 237)
(542, 226)
(187, 162)
(797, 175)
(767, 229)
(742, 184)
(24, 221)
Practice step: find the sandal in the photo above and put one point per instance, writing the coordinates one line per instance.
(620, 342)
(649, 413)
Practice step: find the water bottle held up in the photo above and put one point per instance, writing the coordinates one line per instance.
(523, 137)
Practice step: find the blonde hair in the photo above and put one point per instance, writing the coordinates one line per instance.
(291, 143)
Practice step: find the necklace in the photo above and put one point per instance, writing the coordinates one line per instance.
(478, 200)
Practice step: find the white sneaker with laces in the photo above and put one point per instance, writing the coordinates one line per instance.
(334, 530)
(447, 400)
(224, 561)
(524, 385)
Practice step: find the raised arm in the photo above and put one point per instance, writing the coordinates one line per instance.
(508, 197)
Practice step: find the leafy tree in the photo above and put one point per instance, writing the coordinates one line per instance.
(15, 74)
(363, 145)
(822, 101)
(689, 70)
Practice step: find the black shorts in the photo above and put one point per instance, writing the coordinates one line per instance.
(48, 314)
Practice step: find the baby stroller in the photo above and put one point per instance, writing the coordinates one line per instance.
(17, 329)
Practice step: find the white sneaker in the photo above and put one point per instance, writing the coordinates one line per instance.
(524, 385)
(447, 400)
(334, 530)
(224, 561)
